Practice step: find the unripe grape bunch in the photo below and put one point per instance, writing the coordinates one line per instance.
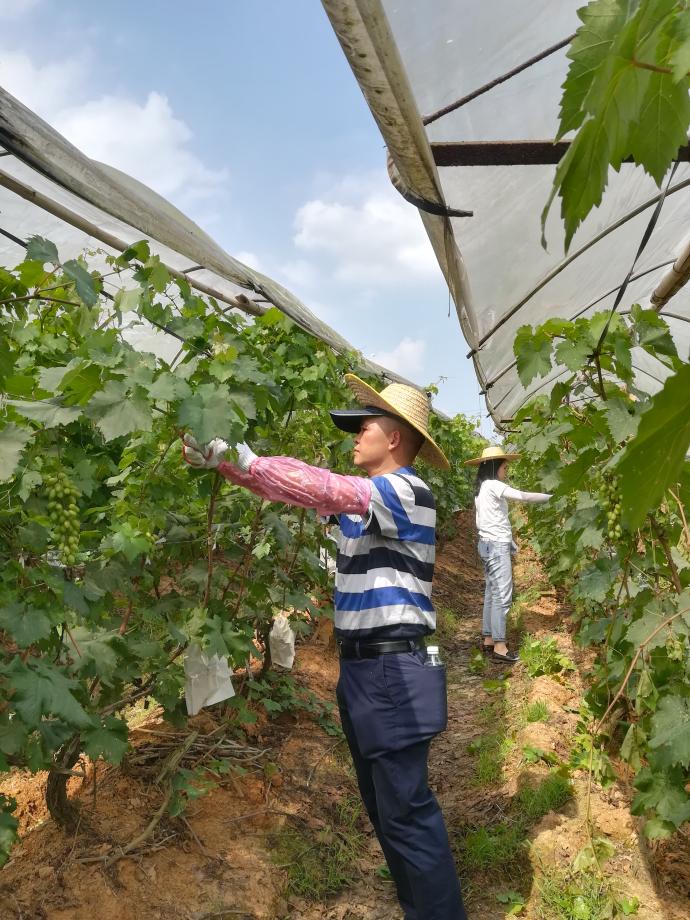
(675, 649)
(611, 503)
(63, 513)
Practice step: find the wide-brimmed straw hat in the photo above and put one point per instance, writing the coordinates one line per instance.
(396, 400)
(491, 453)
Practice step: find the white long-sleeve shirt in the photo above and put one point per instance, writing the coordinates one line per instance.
(493, 523)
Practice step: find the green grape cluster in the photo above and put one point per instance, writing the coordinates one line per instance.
(611, 503)
(63, 513)
(675, 649)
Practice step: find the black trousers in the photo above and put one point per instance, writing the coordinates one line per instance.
(388, 707)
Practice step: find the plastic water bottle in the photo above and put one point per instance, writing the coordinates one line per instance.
(433, 658)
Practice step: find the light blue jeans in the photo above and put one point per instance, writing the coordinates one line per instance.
(498, 593)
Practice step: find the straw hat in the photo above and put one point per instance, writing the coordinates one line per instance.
(491, 453)
(399, 401)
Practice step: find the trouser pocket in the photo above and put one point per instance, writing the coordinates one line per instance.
(393, 701)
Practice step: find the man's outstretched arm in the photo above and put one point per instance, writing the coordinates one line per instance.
(284, 479)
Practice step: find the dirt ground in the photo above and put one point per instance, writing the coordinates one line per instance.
(219, 861)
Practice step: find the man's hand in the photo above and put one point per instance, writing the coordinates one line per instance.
(245, 456)
(203, 456)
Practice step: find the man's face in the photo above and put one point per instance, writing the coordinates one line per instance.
(371, 442)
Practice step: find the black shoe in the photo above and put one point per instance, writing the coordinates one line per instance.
(510, 657)
(487, 649)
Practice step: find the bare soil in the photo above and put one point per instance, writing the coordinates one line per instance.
(220, 863)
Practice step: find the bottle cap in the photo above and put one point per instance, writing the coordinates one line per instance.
(432, 649)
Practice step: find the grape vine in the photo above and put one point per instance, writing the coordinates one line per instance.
(620, 553)
(114, 555)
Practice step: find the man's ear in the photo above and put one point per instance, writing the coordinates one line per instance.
(395, 439)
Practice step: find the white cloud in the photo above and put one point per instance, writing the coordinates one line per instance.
(299, 273)
(249, 258)
(142, 138)
(368, 232)
(45, 88)
(407, 358)
(15, 9)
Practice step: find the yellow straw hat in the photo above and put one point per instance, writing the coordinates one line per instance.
(491, 453)
(399, 400)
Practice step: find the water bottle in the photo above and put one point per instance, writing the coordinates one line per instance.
(433, 658)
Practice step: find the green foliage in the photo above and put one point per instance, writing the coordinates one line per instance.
(491, 751)
(538, 711)
(625, 95)
(655, 458)
(453, 490)
(543, 656)
(614, 540)
(501, 847)
(493, 848)
(549, 795)
(581, 896)
(321, 863)
(114, 555)
(513, 901)
(8, 827)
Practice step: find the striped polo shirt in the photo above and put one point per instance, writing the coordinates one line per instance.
(385, 562)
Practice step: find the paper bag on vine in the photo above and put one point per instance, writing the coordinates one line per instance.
(208, 679)
(281, 641)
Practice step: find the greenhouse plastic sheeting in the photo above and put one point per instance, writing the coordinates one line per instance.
(50, 188)
(411, 60)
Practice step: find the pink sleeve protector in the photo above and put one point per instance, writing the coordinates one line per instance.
(284, 479)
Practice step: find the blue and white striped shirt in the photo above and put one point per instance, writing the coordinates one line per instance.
(385, 562)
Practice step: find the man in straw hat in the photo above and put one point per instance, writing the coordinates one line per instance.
(391, 704)
(491, 496)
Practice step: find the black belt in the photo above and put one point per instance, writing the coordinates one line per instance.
(357, 649)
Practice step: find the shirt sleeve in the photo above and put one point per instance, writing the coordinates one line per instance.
(284, 479)
(394, 511)
(515, 495)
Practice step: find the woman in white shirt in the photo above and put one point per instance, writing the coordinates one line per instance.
(491, 497)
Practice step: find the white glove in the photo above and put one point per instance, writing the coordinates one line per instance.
(203, 456)
(245, 456)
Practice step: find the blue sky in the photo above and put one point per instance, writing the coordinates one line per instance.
(247, 116)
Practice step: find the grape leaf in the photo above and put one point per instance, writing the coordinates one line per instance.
(25, 624)
(573, 354)
(50, 412)
(662, 791)
(98, 657)
(108, 740)
(601, 23)
(83, 281)
(40, 688)
(671, 729)
(73, 597)
(662, 124)
(533, 354)
(679, 57)
(621, 419)
(209, 414)
(118, 412)
(652, 331)
(652, 460)
(28, 482)
(13, 440)
(643, 627)
(128, 541)
(168, 388)
(8, 827)
(596, 580)
(41, 250)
